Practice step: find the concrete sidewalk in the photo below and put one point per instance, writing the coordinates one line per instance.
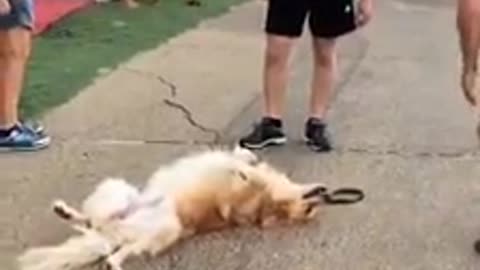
(402, 130)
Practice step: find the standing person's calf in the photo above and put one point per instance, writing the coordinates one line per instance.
(468, 24)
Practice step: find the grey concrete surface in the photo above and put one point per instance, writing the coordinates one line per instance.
(402, 132)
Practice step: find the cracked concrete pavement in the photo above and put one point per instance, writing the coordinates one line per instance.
(402, 130)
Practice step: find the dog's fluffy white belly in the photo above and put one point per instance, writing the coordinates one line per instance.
(149, 219)
(111, 196)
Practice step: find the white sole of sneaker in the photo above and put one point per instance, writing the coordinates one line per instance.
(314, 148)
(269, 142)
(42, 144)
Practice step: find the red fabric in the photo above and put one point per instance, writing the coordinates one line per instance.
(49, 12)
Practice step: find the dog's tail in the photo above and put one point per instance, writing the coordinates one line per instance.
(76, 252)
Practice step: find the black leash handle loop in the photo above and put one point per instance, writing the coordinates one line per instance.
(343, 196)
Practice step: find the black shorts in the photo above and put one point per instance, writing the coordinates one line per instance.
(327, 18)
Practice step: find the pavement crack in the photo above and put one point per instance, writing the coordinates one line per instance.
(171, 86)
(188, 115)
(191, 120)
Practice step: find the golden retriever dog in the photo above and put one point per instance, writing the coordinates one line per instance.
(195, 194)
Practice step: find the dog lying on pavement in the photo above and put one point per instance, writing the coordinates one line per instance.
(195, 194)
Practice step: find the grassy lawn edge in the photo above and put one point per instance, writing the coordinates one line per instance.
(68, 58)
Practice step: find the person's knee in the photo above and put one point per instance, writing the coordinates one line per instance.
(324, 52)
(278, 52)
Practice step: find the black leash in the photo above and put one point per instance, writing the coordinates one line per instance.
(343, 196)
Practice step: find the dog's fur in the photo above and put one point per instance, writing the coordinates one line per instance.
(199, 193)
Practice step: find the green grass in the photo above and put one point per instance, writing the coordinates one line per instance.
(67, 59)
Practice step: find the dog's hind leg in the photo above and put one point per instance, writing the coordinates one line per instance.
(116, 259)
(168, 234)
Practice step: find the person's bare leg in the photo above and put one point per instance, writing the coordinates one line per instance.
(15, 47)
(324, 76)
(468, 24)
(275, 80)
(275, 74)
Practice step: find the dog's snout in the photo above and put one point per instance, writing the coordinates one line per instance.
(315, 192)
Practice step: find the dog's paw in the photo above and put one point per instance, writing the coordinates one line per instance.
(61, 209)
(113, 263)
(58, 203)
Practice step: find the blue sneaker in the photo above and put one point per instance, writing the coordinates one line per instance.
(32, 125)
(23, 138)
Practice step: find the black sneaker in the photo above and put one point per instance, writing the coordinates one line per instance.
(266, 133)
(316, 135)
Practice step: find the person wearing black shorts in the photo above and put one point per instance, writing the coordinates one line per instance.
(327, 20)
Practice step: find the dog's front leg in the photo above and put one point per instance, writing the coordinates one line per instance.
(116, 260)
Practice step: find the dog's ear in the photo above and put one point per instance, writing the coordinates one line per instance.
(238, 173)
(248, 176)
(242, 175)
